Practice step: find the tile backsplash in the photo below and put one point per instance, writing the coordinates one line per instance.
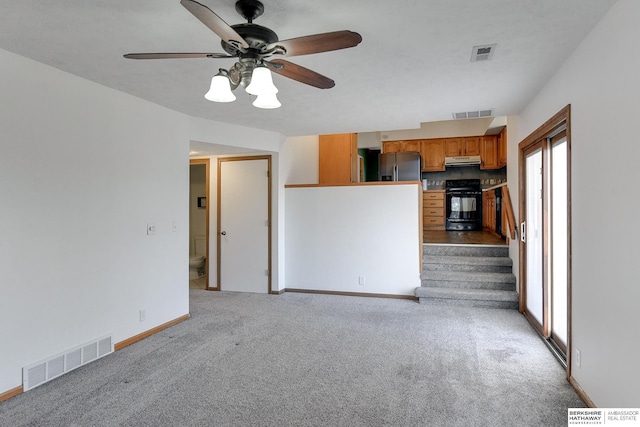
(488, 178)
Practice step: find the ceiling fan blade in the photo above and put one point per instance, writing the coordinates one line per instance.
(175, 55)
(318, 43)
(214, 22)
(299, 73)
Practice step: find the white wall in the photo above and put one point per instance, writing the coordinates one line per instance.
(443, 129)
(300, 162)
(601, 81)
(334, 235)
(83, 169)
(213, 132)
(512, 184)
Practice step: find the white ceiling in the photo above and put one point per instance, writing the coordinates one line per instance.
(412, 66)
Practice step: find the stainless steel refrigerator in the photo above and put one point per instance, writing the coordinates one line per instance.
(399, 167)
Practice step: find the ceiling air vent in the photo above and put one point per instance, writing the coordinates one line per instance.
(483, 52)
(479, 114)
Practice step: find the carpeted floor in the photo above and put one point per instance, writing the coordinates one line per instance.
(314, 360)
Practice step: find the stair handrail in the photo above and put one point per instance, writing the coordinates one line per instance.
(511, 219)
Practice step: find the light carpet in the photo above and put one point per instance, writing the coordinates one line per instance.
(314, 360)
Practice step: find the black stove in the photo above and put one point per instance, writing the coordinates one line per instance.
(464, 204)
(462, 185)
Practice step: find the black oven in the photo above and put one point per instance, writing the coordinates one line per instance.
(464, 204)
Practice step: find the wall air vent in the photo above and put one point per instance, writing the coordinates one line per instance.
(478, 114)
(483, 52)
(45, 370)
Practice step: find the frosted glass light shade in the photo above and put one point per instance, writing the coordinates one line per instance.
(269, 100)
(261, 82)
(220, 90)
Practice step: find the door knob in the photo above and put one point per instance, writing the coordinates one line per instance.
(224, 233)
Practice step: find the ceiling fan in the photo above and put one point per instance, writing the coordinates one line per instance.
(258, 50)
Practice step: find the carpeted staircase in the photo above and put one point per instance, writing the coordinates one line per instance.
(472, 275)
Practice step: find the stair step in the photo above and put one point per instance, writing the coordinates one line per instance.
(465, 250)
(468, 275)
(467, 264)
(468, 280)
(468, 297)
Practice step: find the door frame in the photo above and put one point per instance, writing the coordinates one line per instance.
(207, 164)
(266, 157)
(556, 124)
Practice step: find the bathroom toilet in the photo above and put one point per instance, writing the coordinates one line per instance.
(197, 260)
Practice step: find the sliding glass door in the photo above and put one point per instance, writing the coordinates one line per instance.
(559, 219)
(545, 232)
(531, 236)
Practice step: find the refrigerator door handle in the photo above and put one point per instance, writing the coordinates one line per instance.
(395, 172)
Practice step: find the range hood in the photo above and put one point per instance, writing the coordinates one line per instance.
(462, 161)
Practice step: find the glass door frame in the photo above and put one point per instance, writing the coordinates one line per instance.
(543, 136)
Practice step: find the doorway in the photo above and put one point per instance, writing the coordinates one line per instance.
(545, 232)
(244, 224)
(199, 179)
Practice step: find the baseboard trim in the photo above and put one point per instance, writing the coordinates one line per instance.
(11, 393)
(581, 393)
(122, 344)
(350, 294)
(280, 292)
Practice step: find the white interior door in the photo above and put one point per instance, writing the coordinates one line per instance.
(243, 232)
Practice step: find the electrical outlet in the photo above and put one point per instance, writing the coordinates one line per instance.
(361, 280)
(578, 357)
(143, 315)
(151, 229)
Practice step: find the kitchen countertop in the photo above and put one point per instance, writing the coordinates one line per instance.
(493, 187)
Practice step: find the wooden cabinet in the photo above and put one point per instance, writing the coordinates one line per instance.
(468, 146)
(489, 152)
(410, 146)
(472, 146)
(502, 148)
(489, 210)
(338, 159)
(433, 217)
(432, 153)
(492, 150)
(391, 147)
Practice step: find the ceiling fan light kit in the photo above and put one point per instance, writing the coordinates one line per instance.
(267, 101)
(261, 82)
(220, 90)
(254, 45)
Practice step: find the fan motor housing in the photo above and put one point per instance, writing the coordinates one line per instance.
(256, 36)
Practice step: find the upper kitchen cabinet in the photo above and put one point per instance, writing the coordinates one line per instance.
(338, 159)
(469, 146)
(502, 148)
(410, 146)
(489, 152)
(432, 153)
(391, 147)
